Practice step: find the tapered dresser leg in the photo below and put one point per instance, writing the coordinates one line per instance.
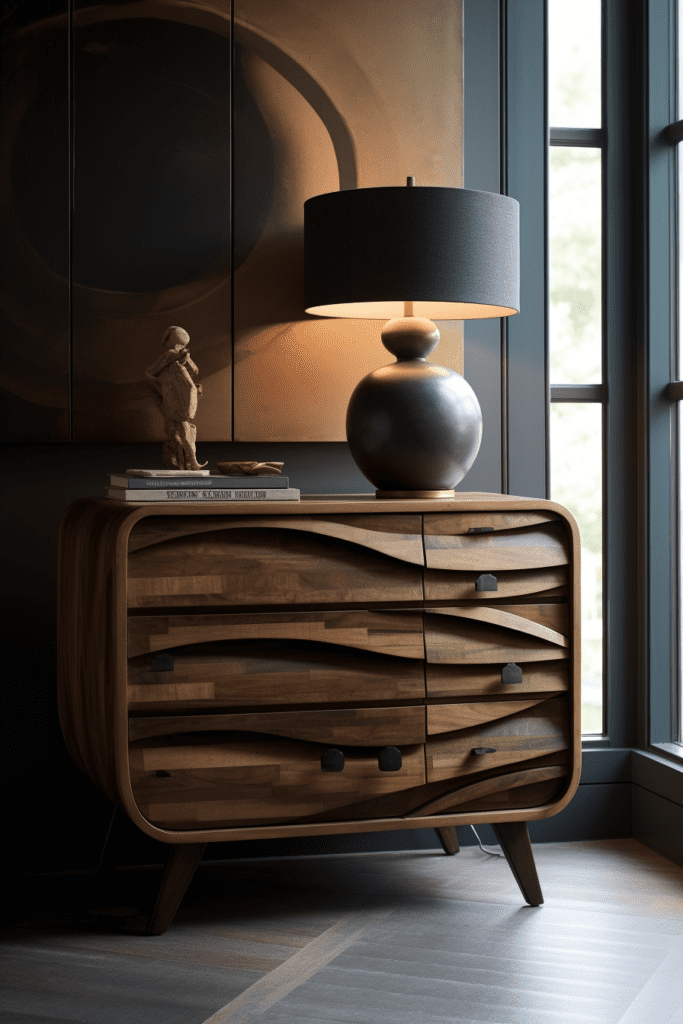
(180, 868)
(448, 837)
(513, 837)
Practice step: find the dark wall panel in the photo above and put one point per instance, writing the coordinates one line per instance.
(151, 216)
(526, 146)
(482, 159)
(34, 223)
(658, 823)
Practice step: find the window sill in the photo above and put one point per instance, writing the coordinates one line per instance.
(671, 751)
(593, 742)
(657, 774)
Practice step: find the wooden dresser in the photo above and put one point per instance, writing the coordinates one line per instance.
(338, 664)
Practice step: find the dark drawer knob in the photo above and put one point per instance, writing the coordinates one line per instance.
(484, 750)
(390, 759)
(480, 529)
(332, 760)
(511, 673)
(162, 662)
(161, 774)
(486, 582)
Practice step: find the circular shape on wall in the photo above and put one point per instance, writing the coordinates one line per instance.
(151, 158)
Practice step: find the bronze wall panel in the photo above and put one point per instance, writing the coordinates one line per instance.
(351, 95)
(343, 94)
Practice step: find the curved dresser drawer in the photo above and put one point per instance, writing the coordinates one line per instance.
(495, 634)
(391, 632)
(235, 770)
(270, 671)
(274, 560)
(466, 738)
(503, 555)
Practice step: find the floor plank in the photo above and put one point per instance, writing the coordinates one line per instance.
(430, 960)
(379, 938)
(303, 965)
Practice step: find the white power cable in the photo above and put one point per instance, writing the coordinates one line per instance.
(491, 853)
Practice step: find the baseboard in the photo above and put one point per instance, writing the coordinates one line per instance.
(658, 823)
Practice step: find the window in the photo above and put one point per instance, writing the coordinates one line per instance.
(575, 336)
(674, 136)
(663, 390)
(676, 133)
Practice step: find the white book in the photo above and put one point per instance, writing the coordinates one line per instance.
(254, 494)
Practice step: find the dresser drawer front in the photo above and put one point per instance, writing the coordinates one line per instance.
(507, 789)
(394, 632)
(514, 736)
(485, 635)
(451, 585)
(272, 671)
(498, 542)
(527, 553)
(356, 727)
(259, 781)
(444, 680)
(272, 560)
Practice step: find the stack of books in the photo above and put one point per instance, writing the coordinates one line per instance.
(199, 485)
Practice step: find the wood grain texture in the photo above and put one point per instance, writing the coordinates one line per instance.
(536, 794)
(499, 638)
(242, 783)
(395, 632)
(455, 585)
(525, 547)
(528, 619)
(513, 837)
(395, 535)
(444, 680)
(90, 589)
(455, 524)
(271, 672)
(609, 935)
(450, 717)
(472, 793)
(448, 837)
(269, 990)
(540, 730)
(364, 727)
(372, 634)
(553, 615)
(271, 564)
(180, 868)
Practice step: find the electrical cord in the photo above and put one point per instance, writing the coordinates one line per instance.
(490, 852)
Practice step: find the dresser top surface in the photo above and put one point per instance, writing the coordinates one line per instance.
(310, 504)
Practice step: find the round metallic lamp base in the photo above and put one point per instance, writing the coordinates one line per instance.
(415, 494)
(413, 428)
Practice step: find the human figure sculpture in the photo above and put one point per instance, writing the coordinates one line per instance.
(176, 394)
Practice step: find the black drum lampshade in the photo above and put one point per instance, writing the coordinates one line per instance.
(410, 255)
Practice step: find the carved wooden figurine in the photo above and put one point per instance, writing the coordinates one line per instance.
(176, 394)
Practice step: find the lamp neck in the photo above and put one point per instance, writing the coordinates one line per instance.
(410, 337)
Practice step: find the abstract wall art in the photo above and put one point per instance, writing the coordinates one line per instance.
(155, 159)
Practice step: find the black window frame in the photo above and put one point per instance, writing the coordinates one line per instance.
(639, 94)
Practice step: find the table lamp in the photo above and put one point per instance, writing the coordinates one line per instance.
(407, 255)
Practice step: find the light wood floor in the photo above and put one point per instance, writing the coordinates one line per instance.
(376, 938)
